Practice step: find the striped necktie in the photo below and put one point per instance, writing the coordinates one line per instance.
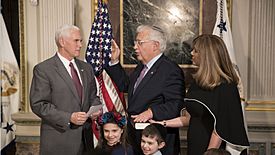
(141, 76)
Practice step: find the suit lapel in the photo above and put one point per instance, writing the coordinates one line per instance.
(61, 70)
(148, 76)
(134, 79)
(145, 80)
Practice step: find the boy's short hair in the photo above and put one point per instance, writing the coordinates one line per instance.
(155, 130)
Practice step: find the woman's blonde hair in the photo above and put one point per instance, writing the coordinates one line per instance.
(215, 65)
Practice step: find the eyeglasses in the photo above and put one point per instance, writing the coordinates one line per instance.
(140, 42)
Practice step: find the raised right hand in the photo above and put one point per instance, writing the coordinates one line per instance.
(115, 52)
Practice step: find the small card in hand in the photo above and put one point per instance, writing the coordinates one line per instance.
(94, 109)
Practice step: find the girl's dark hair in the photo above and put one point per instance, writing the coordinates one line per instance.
(114, 118)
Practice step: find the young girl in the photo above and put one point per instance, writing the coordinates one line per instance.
(113, 134)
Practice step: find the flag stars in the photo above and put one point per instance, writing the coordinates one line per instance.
(94, 24)
(98, 24)
(8, 127)
(92, 61)
(222, 26)
(98, 54)
(104, 25)
(93, 31)
(94, 54)
(97, 32)
(97, 61)
(101, 17)
(91, 39)
(99, 46)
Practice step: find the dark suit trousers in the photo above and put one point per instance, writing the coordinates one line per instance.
(134, 138)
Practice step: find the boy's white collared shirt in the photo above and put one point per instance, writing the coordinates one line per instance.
(157, 153)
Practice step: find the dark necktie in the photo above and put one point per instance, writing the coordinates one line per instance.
(141, 76)
(76, 81)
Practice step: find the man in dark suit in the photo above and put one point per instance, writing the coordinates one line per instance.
(62, 90)
(155, 88)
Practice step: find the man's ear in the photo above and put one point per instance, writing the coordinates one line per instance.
(157, 45)
(161, 145)
(61, 41)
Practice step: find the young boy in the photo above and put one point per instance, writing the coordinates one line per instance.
(153, 139)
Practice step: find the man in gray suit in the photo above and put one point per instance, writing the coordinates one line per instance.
(63, 88)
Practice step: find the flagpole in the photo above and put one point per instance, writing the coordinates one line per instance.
(1, 75)
(1, 71)
(101, 56)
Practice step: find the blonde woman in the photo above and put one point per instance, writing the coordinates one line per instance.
(213, 103)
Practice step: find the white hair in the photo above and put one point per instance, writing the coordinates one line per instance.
(156, 34)
(64, 31)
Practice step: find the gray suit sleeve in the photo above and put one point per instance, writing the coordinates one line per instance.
(41, 101)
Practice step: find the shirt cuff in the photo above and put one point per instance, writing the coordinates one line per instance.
(112, 64)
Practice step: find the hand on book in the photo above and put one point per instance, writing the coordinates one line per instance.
(143, 117)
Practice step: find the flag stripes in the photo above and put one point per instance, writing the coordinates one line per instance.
(98, 54)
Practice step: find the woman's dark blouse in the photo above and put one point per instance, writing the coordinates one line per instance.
(219, 108)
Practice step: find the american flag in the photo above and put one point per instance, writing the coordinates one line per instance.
(99, 46)
(222, 29)
(98, 54)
